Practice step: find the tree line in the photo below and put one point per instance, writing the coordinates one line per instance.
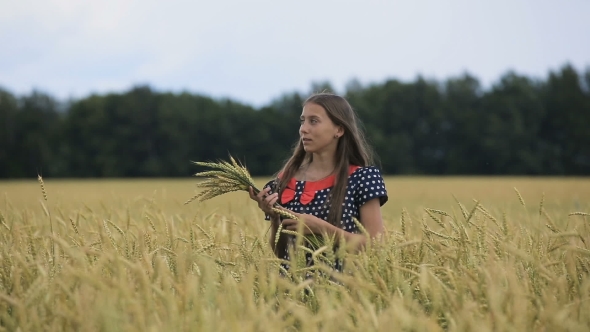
(517, 126)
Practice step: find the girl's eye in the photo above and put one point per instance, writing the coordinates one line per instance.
(312, 121)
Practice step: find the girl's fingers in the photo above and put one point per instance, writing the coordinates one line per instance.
(251, 193)
(271, 197)
(271, 203)
(263, 193)
(268, 200)
(292, 227)
(289, 223)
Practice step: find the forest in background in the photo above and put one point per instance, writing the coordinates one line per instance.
(517, 126)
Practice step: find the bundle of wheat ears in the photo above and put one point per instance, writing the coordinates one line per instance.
(226, 177)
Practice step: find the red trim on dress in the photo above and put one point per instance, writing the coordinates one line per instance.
(310, 187)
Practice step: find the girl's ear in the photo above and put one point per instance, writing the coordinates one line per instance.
(340, 131)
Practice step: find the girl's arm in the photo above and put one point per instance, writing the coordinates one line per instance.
(370, 218)
(370, 214)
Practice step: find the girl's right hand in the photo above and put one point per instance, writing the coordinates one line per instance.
(265, 201)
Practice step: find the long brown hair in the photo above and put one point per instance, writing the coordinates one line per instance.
(352, 149)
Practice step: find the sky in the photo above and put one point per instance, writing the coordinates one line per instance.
(255, 51)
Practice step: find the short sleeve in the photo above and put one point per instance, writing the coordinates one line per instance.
(370, 185)
(272, 184)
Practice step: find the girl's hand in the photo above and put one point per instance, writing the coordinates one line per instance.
(265, 201)
(309, 224)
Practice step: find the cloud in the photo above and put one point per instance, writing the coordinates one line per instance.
(255, 50)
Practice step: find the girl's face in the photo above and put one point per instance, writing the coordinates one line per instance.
(317, 131)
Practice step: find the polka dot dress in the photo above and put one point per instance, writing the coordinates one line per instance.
(364, 184)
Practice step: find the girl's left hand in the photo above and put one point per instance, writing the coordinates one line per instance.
(310, 224)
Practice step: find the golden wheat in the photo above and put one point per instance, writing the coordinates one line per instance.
(206, 268)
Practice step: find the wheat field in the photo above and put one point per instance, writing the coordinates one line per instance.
(460, 254)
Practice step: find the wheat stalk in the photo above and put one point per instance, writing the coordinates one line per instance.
(579, 214)
(519, 197)
(224, 177)
(42, 184)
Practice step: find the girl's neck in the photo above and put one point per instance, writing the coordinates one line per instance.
(321, 167)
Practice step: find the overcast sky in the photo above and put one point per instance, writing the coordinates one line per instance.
(253, 51)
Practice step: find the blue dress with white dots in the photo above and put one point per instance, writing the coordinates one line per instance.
(364, 184)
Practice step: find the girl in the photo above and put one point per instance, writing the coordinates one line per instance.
(328, 180)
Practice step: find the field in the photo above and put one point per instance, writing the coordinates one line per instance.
(460, 254)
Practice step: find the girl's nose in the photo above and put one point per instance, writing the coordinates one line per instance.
(303, 128)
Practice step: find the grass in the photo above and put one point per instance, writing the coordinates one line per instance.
(460, 254)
